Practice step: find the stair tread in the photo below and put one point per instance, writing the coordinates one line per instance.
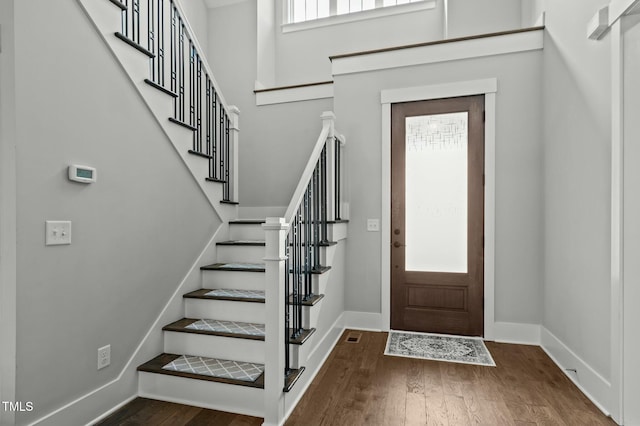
(235, 266)
(311, 301)
(242, 243)
(237, 329)
(247, 221)
(228, 294)
(209, 369)
(215, 327)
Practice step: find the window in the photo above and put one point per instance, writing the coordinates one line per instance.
(308, 10)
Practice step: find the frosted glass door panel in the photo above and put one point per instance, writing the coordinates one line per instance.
(436, 193)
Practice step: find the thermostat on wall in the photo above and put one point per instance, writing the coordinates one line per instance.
(83, 174)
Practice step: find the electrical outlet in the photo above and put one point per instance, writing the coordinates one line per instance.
(104, 357)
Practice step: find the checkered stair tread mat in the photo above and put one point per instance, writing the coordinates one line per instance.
(244, 294)
(222, 368)
(232, 327)
(243, 265)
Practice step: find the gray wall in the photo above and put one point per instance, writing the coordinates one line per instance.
(197, 16)
(631, 221)
(275, 140)
(518, 168)
(303, 56)
(577, 179)
(482, 16)
(7, 211)
(136, 231)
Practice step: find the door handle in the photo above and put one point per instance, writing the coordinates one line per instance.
(397, 244)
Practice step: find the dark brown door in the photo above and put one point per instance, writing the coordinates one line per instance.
(437, 216)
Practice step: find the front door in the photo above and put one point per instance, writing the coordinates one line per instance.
(437, 216)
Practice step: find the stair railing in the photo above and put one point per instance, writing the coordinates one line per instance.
(293, 257)
(178, 67)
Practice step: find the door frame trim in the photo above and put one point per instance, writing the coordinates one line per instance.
(489, 88)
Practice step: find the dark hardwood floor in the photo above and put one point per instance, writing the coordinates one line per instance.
(360, 386)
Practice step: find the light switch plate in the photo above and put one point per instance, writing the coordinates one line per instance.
(373, 225)
(57, 232)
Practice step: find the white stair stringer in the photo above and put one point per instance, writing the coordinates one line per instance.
(220, 347)
(136, 66)
(202, 393)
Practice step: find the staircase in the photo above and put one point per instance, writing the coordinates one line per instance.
(245, 335)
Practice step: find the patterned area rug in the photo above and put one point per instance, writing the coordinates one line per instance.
(244, 371)
(438, 347)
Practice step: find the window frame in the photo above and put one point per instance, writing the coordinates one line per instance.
(335, 19)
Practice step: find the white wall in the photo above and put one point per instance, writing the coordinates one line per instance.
(7, 211)
(631, 271)
(303, 56)
(275, 140)
(518, 166)
(136, 231)
(197, 15)
(466, 17)
(577, 173)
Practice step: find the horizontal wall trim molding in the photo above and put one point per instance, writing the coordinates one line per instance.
(517, 333)
(441, 51)
(586, 378)
(448, 90)
(367, 321)
(287, 94)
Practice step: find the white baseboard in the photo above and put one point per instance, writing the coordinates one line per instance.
(588, 380)
(517, 333)
(367, 321)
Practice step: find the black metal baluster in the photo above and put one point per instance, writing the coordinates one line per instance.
(323, 196)
(135, 21)
(221, 142)
(300, 273)
(174, 56)
(307, 243)
(199, 102)
(337, 179)
(125, 19)
(227, 158)
(160, 50)
(181, 92)
(214, 135)
(192, 90)
(208, 119)
(287, 306)
(151, 36)
(316, 216)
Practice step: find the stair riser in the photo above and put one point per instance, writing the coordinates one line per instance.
(248, 254)
(318, 282)
(201, 393)
(310, 315)
(160, 103)
(225, 310)
(236, 280)
(246, 232)
(214, 346)
(300, 353)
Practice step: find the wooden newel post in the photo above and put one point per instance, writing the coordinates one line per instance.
(234, 137)
(275, 255)
(329, 118)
